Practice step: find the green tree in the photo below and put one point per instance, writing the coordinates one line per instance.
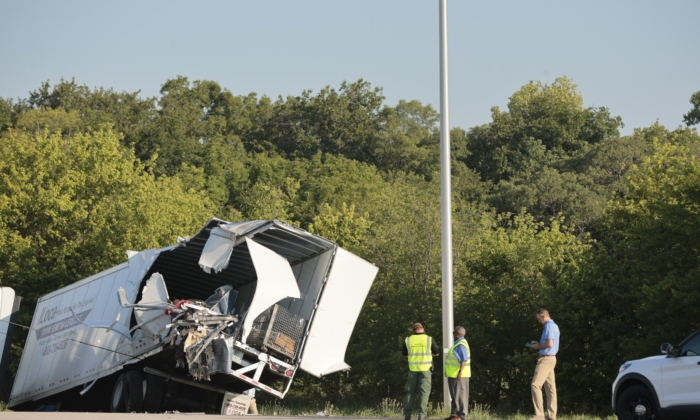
(548, 193)
(5, 114)
(404, 243)
(225, 163)
(693, 116)
(263, 201)
(127, 112)
(642, 273)
(543, 123)
(66, 123)
(508, 268)
(333, 180)
(409, 140)
(651, 232)
(70, 207)
(342, 226)
(88, 173)
(341, 122)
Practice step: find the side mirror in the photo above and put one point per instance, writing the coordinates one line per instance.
(674, 351)
(667, 348)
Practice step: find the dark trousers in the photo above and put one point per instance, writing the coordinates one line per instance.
(459, 392)
(417, 383)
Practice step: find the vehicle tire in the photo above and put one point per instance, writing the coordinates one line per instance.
(116, 403)
(133, 392)
(636, 403)
(155, 390)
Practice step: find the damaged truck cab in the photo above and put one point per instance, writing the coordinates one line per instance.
(238, 306)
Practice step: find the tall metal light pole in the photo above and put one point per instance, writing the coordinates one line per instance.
(446, 199)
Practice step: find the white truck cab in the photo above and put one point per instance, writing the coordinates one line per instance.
(661, 387)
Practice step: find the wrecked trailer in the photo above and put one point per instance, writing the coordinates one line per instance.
(238, 306)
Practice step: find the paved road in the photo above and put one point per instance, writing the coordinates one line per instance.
(133, 416)
(29, 415)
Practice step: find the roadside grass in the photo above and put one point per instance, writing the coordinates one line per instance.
(390, 408)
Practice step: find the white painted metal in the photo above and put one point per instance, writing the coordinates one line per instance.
(310, 276)
(60, 352)
(217, 251)
(154, 293)
(275, 282)
(679, 381)
(446, 197)
(256, 384)
(241, 228)
(7, 300)
(64, 349)
(341, 300)
(222, 239)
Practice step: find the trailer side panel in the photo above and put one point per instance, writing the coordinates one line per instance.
(60, 352)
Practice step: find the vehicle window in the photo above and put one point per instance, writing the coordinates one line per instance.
(692, 347)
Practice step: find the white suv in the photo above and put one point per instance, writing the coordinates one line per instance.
(661, 387)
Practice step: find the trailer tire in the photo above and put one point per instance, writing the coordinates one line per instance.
(133, 395)
(116, 403)
(155, 390)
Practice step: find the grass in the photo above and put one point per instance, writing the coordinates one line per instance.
(390, 408)
(3, 406)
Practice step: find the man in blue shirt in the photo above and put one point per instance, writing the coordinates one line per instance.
(458, 371)
(544, 371)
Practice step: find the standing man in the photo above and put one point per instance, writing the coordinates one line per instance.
(458, 371)
(253, 407)
(419, 349)
(544, 371)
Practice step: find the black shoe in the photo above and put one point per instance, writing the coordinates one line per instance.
(407, 418)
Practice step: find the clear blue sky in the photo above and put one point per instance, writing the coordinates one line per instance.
(641, 59)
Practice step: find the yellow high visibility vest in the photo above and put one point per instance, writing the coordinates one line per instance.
(420, 358)
(452, 363)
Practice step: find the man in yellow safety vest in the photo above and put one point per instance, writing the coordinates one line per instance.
(458, 371)
(419, 349)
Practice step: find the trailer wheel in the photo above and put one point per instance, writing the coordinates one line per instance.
(133, 395)
(155, 390)
(116, 404)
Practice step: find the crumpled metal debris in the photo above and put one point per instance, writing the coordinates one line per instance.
(204, 332)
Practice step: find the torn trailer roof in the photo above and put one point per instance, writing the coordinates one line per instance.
(237, 306)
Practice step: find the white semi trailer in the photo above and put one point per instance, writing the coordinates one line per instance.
(238, 306)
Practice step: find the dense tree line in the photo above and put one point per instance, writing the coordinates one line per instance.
(552, 207)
